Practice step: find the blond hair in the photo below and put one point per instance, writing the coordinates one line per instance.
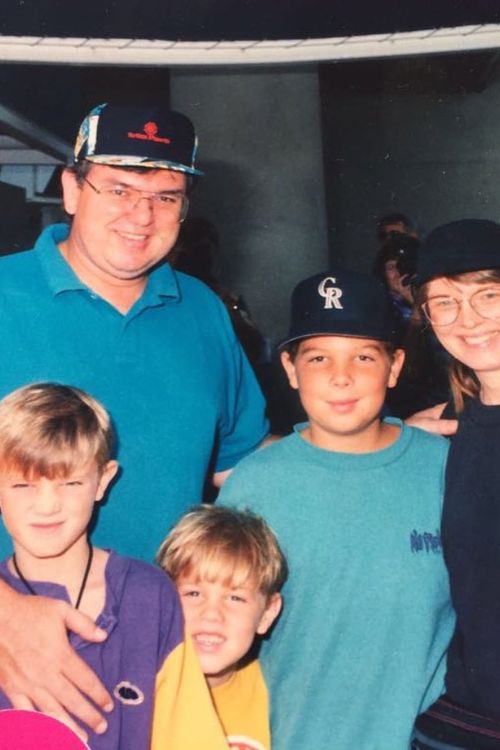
(463, 379)
(214, 543)
(49, 430)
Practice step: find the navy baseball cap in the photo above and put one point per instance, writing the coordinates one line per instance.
(145, 136)
(458, 247)
(342, 303)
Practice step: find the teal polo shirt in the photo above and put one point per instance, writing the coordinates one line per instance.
(171, 372)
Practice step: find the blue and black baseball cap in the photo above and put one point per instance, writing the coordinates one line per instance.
(132, 136)
(458, 247)
(342, 303)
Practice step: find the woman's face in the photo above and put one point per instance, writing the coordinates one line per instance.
(471, 338)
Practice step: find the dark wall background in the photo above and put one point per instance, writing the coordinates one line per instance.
(413, 135)
(20, 221)
(58, 96)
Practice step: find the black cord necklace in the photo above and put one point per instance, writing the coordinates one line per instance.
(32, 591)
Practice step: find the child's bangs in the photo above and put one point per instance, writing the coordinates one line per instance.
(219, 544)
(32, 461)
(219, 564)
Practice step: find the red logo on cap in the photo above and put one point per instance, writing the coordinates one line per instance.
(150, 131)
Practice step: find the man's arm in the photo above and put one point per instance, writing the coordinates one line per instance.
(39, 668)
(430, 421)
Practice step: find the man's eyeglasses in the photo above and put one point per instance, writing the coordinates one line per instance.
(443, 310)
(173, 205)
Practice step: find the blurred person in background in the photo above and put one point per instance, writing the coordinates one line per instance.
(423, 381)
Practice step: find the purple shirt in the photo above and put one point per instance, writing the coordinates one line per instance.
(143, 619)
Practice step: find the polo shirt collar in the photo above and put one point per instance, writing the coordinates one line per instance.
(58, 273)
(162, 281)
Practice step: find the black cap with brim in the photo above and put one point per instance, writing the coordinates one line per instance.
(147, 136)
(342, 303)
(459, 247)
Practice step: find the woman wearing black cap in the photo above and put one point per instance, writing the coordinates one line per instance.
(458, 289)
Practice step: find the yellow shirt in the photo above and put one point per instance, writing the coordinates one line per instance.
(242, 704)
(184, 717)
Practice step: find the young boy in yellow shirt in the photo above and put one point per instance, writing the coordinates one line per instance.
(228, 568)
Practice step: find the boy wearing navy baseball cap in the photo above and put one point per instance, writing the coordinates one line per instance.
(355, 501)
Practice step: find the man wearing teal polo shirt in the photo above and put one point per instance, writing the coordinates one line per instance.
(95, 305)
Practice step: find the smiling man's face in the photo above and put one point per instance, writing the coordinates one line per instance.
(112, 244)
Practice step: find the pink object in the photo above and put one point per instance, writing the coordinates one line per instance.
(31, 730)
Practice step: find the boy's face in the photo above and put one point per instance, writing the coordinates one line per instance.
(342, 381)
(223, 621)
(47, 517)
